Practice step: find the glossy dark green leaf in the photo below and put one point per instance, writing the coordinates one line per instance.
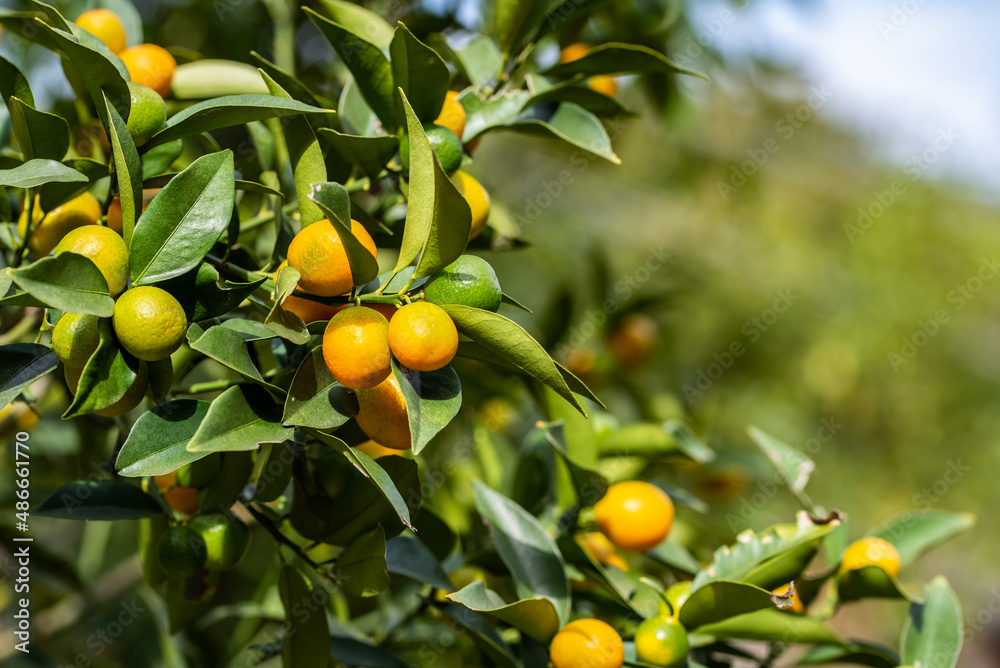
(21, 364)
(421, 74)
(157, 160)
(914, 532)
(579, 94)
(53, 194)
(537, 617)
(184, 220)
(334, 202)
(158, 441)
(438, 217)
(718, 600)
(483, 635)
(352, 652)
(307, 641)
(574, 125)
(308, 165)
(285, 323)
(314, 396)
(108, 375)
(493, 113)
(509, 341)
(433, 399)
(516, 20)
(229, 347)
(856, 653)
(370, 67)
(227, 111)
(37, 172)
(370, 154)
(406, 555)
(933, 635)
(527, 550)
(102, 74)
(773, 626)
(13, 83)
(200, 293)
(361, 567)
(128, 169)
(98, 500)
(360, 21)
(241, 418)
(39, 134)
(68, 282)
(618, 58)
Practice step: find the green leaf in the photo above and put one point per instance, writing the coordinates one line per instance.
(352, 652)
(202, 296)
(158, 441)
(371, 69)
(480, 60)
(792, 464)
(483, 635)
(38, 172)
(433, 399)
(618, 58)
(98, 500)
(932, 636)
(528, 551)
(752, 558)
(371, 154)
(497, 112)
(360, 21)
(227, 346)
(128, 169)
(421, 74)
(675, 555)
(184, 220)
(307, 639)
(863, 654)
(158, 159)
(873, 582)
(314, 396)
(13, 83)
(39, 134)
(537, 617)
(21, 364)
(578, 93)
(650, 439)
(334, 202)
(914, 532)
(515, 21)
(227, 111)
(438, 217)
(108, 375)
(241, 418)
(509, 341)
(68, 282)
(576, 126)
(588, 484)
(566, 12)
(212, 77)
(361, 567)
(721, 599)
(102, 74)
(406, 555)
(773, 626)
(308, 165)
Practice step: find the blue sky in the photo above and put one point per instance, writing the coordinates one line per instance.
(901, 71)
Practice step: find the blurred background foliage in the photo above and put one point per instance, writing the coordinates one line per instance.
(890, 433)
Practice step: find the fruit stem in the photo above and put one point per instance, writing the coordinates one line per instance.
(29, 227)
